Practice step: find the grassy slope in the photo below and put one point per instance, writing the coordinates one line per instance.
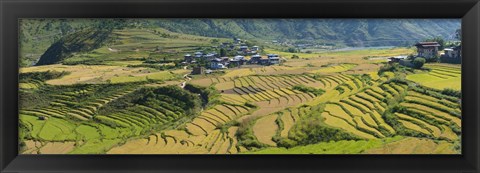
(332, 147)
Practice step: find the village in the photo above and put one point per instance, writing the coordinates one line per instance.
(430, 52)
(207, 62)
(202, 62)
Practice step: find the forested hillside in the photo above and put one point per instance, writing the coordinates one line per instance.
(351, 32)
(82, 41)
(38, 35)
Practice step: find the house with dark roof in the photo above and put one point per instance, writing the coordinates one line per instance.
(274, 60)
(219, 63)
(270, 59)
(198, 70)
(198, 54)
(396, 59)
(210, 56)
(237, 40)
(243, 48)
(264, 61)
(427, 49)
(452, 55)
(238, 61)
(254, 59)
(188, 58)
(453, 52)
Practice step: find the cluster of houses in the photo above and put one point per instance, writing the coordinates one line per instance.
(240, 47)
(214, 61)
(429, 50)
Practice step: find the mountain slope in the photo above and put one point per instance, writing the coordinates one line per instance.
(351, 32)
(81, 41)
(39, 34)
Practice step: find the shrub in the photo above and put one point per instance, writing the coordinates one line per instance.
(388, 67)
(433, 59)
(340, 89)
(250, 105)
(434, 93)
(292, 50)
(307, 89)
(246, 137)
(209, 95)
(41, 76)
(311, 130)
(285, 142)
(452, 92)
(418, 63)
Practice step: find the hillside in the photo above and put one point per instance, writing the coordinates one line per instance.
(106, 46)
(39, 34)
(82, 41)
(351, 32)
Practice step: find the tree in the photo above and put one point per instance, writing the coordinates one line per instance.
(215, 41)
(292, 50)
(433, 59)
(418, 62)
(223, 52)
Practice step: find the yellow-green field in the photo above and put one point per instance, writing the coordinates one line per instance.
(441, 76)
(140, 99)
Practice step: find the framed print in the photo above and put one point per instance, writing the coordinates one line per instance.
(280, 86)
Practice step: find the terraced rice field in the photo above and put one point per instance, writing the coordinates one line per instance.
(36, 147)
(333, 147)
(440, 76)
(430, 115)
(180, 142)
(254, 109)
(274, 89)
(414, 146)
(208, 120)
(335, 68)
(351, 104)
(61, 104)
(265, 128)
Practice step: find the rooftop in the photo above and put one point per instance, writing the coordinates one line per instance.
(427, 44)
(217, 60)
(273, 58)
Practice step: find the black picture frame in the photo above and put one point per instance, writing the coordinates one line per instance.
(12, 10)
